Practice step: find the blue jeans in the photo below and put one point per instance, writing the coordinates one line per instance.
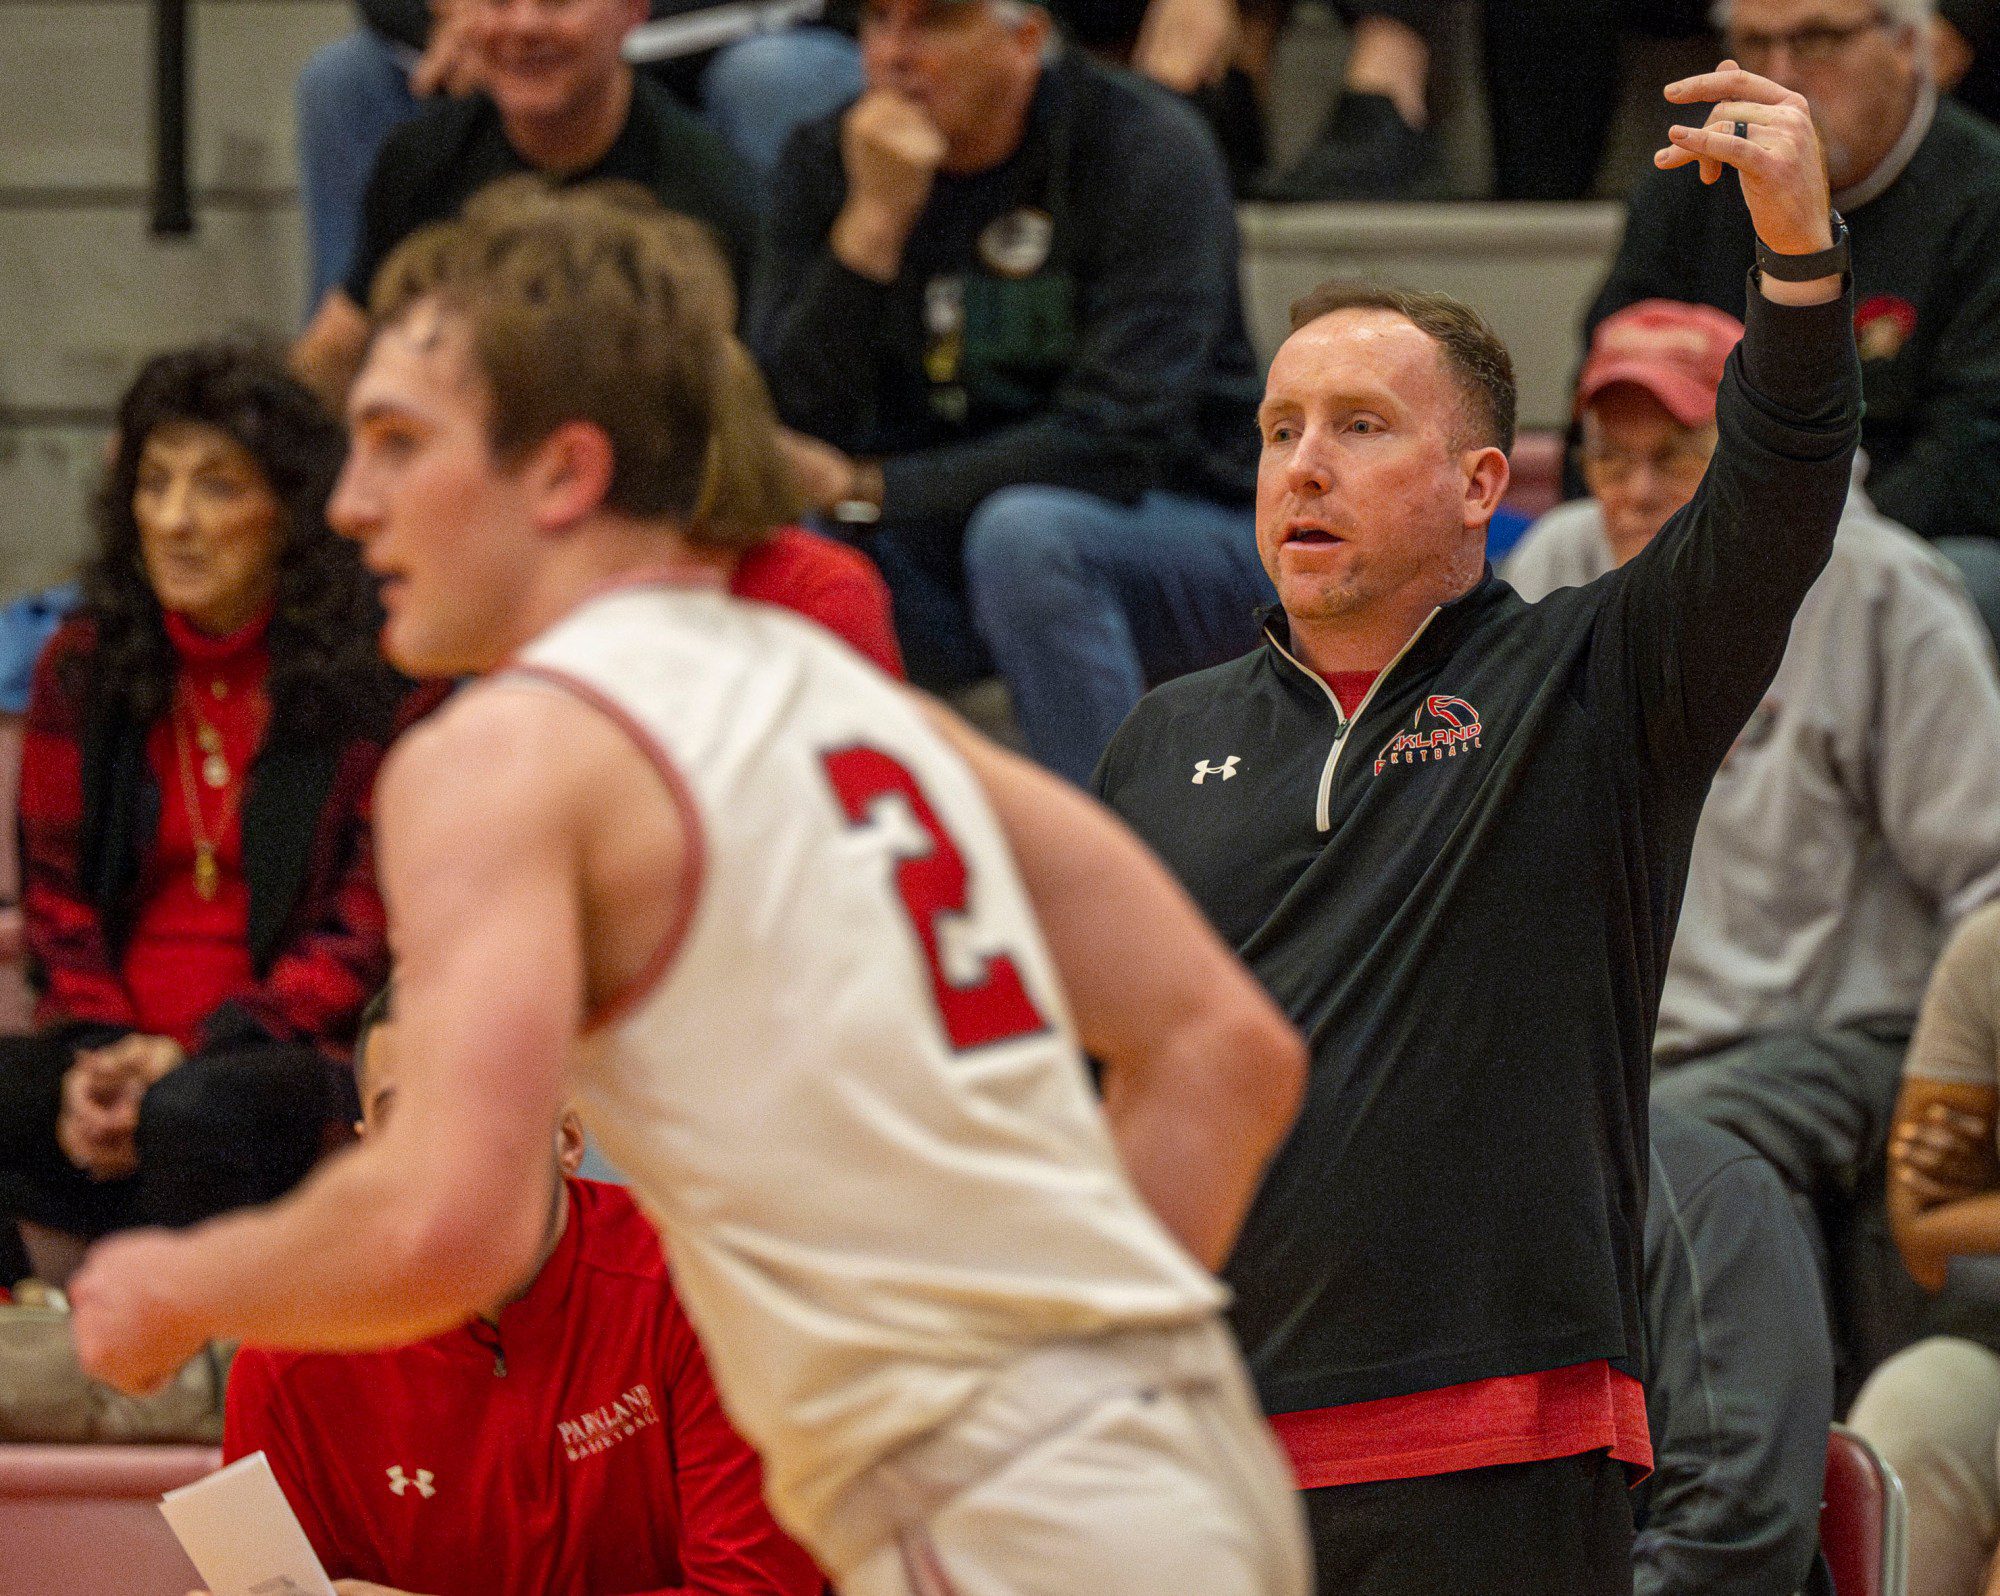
(756, 92)
(1083, 603)
(352, 94)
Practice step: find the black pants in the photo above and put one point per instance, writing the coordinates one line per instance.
(1559, 1528)
(1553, 77)
(223, 1131)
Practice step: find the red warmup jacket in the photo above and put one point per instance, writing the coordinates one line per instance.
(577, 1449)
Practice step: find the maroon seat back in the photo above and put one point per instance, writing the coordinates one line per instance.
(1862, 1519)
(87, 1518)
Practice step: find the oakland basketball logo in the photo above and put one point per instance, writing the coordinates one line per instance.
(1442, 726)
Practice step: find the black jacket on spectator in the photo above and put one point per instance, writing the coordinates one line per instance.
(432, 165)
(1070, 317)
(1739, 1374)
(1465, 896)
(1927, 311)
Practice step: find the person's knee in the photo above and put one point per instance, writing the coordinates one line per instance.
(333, 78)
(178, 1116)
(768, 71)
(1934, 1411)
(1022, 550)
(759, 89)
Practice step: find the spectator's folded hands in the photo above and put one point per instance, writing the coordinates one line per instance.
(1944, 1155)
(99, 1114)
(1776, 154)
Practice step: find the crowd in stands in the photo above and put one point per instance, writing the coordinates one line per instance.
(993, 412)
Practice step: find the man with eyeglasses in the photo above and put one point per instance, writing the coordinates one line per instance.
(1854, 821)
(1918, 180)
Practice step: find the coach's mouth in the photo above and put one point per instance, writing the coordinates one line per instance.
(1311, 534)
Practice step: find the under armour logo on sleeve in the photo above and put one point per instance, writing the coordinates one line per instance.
(399, 1482)
(1225, 770)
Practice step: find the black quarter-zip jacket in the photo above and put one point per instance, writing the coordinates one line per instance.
(1465, 896)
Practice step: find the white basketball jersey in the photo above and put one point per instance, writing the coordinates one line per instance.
(854, 1102)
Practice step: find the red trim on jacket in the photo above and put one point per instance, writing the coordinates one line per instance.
(1519, 1418)
(599, 1464)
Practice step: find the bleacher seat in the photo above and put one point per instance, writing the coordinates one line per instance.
(17, 1003)
(87, 1518)
(1863, 1519)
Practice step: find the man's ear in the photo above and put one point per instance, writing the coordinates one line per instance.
(570, 474)
(1486, 476)
(569, 1143)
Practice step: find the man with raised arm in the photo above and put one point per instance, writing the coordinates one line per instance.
(1450, 831)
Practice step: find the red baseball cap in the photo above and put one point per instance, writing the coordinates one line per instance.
(1674, 351)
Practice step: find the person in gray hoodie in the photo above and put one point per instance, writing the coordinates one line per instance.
(1853, 824)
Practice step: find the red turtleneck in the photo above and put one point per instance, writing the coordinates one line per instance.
(187, 953)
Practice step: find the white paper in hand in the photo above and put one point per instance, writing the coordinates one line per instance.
(242, 1535)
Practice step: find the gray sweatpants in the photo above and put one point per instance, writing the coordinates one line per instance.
(1818, 1107)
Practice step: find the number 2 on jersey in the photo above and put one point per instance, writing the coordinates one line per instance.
(932, 885)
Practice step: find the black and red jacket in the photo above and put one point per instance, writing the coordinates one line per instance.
(1465, 897)
(317, 931)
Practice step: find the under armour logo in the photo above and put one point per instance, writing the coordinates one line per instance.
(1225, 770)
(399, 1482)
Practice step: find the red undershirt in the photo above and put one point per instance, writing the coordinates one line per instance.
(187, 954)
(1516, 1418)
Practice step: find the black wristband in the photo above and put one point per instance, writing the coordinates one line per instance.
(1808, 268)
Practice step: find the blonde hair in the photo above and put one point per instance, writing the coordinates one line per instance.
(578, 310)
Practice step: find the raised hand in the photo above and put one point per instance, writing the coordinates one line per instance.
(1766, 132)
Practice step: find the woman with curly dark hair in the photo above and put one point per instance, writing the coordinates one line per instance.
(198, 879)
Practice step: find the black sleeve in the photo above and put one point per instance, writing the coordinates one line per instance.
(700, 175)
(405, 21)
(819, 330)
(389, 209)
(1740, 1389)
(1164, 259)
(1690, 633)
(1948, 480)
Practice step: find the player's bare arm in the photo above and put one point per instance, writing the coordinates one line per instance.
(443, 1212)
(1203, 1074)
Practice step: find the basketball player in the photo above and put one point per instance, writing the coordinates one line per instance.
(814, 963)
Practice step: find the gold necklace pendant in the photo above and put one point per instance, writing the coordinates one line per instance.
(207, 874)
(215, 771)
